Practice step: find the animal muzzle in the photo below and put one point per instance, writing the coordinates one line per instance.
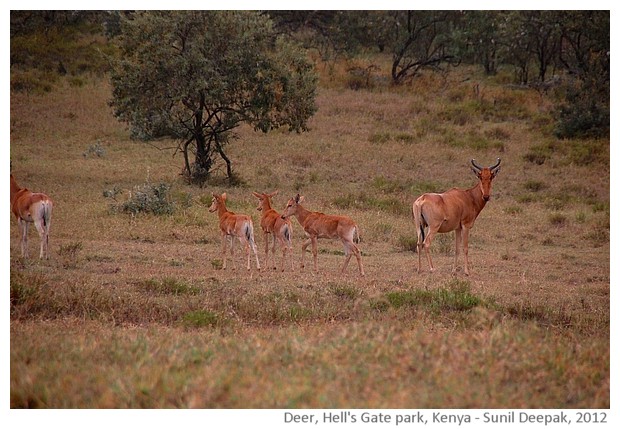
(486, 197)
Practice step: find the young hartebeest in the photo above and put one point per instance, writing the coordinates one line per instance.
(272, 223)
(318, 225)
(233, 225)
(454, 210)
(31, 207)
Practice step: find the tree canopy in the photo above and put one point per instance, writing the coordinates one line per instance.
(197, 75)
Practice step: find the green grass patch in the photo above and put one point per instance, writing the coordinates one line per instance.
(168, 286)
(456, 295)
(363, 201)
(200, 319)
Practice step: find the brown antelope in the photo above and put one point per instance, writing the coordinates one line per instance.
(454, 210)
(231, 226)
(318, 225)
(31, 207)
(272, 223)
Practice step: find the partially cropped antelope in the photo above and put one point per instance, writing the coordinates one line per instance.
(280, 229)
(233, 225)
(31, 207)
(318, 225)
(454, 210)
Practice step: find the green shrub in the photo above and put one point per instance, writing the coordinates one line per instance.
(585, 113)
(149, 198)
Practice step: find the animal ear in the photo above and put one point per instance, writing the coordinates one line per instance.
(274, 193)
(256, 194)
(476, 172)
(496, 171)
(300, 199)
(297, 198)
(224, 196)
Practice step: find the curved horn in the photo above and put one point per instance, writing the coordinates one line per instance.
(476, 166)
(496, 165)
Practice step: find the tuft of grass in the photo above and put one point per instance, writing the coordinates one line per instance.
(200, 319)
(344, 291)
(380, 138)
(168, 286)
(70, 249)
(558, 219)
(95, 149)
(535, 185)
(69, 254)
(408, 243)
(364, 201)
(513, 210)
(455, 295)
(541, 153)
(24, 288)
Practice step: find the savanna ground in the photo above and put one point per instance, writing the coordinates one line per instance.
(135, 311)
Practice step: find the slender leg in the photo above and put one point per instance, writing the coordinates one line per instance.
(457, 235)
(304, 246)
(24, 239)
(42, 230)
(224, 239)
(232, 252)
(253, 245)
(347, 254)
(427, 245)
(466, 249)
(246, 245)
(266, 235)
(315, 252)
(273, 250)
(420, 246)
(358, 256)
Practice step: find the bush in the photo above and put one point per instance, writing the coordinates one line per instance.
(148, 198)
(586, 112)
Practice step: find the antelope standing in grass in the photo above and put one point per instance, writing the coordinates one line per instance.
(454, 210)
(318, 225)
(31, 207)
(233, 225)
(272, 223)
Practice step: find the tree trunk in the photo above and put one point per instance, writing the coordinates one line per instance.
(219, 148)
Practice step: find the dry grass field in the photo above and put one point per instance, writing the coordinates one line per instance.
(136, 312)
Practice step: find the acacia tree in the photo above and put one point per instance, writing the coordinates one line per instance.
(197, 75)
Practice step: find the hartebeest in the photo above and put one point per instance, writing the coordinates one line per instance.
(318, 225)
(454, 210)
(31, 207)
(233, 225)
(272, 223)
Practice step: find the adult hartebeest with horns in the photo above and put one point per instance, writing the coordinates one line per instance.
(319, 225)
(454, 210)
(31, 207)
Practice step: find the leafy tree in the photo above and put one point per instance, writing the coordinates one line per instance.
(478, 38)
(585, 54)
(197, 75)
(421, 39)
